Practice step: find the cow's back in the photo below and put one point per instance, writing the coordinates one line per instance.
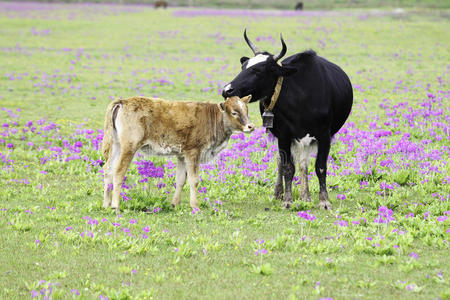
(321, 89)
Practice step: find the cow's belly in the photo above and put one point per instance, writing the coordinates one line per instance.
(302, 149)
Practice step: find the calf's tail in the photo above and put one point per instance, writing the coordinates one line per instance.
(109, 128)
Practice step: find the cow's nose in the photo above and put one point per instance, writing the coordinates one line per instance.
(227, 93)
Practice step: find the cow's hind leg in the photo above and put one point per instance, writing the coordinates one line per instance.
(321, 171)
(304, 187)
(180, 181)
(126, 156)
(287, 171)
(278, 194)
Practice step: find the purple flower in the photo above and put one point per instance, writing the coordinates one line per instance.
(341, 196)
(75, 291)
(384, 215)
(10, 146)
(261, 251)
(414, 255)
(341, 223)
(306, 215)
(146, 229)
(442, 218)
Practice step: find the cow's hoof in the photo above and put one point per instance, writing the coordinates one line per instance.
(278, 194)
(287, 205)
(325, 205)
(306, 197)
(287, 200)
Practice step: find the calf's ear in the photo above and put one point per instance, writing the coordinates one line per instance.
(221, 106)
(246, 99)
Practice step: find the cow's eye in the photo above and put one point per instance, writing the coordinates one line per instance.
(234, 114)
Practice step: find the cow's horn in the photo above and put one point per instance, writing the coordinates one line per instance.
(283, 50)
(250, 44)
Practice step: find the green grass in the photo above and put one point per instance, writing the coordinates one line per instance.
(212, 254)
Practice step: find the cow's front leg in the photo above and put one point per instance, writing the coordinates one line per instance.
(278, 194)
(192, 165)
(304, 187)
(180, 181)
(287, 171)
(321, 171)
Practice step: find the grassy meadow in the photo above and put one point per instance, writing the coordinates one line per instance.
(388, 172)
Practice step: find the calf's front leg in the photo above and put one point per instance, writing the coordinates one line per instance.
(180, 181)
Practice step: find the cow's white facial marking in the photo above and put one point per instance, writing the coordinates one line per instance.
(227, 87)
(256, 60)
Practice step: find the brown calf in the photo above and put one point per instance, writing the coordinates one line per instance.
(194, 132)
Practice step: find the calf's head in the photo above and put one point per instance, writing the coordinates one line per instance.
(235, 114)
(259, 74)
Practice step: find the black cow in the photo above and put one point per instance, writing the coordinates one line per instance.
(315, 100)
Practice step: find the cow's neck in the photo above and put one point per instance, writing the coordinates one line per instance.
(274, 92)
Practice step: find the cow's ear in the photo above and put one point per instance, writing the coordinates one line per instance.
(244, 59)
(285, 71)
(246, 99)
(222, 106)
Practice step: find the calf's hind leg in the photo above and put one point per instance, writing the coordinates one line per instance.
(126, 156)
(192, 173)
(108, 169)
(180, 181)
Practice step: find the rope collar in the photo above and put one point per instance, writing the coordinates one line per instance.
(275, 95)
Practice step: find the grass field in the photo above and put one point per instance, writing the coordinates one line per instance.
(386, 237)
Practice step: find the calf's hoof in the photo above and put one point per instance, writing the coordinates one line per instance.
(325, 205)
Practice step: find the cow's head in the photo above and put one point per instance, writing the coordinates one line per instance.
(235, 113)
(259, 73)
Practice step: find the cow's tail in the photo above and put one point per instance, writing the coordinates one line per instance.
(109, 130)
